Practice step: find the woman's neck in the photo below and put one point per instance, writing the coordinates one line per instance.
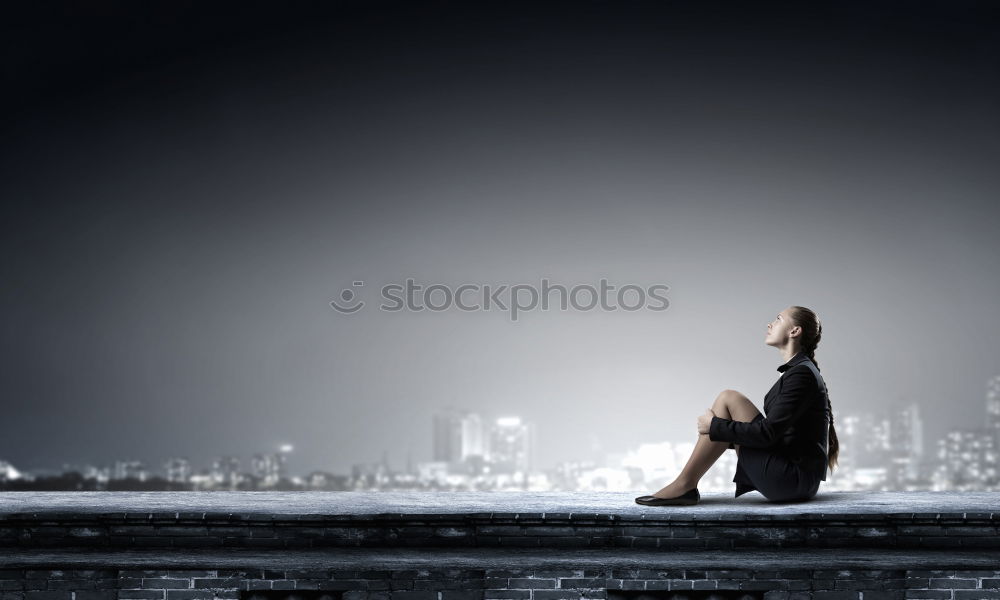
(788, 352)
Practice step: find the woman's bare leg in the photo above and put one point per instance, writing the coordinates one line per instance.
(729, 404)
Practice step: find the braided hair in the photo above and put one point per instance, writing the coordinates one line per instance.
(812, 331)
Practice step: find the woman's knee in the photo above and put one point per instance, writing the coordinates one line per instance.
(726, 395)
(729, 397)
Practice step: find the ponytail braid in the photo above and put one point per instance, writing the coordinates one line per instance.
(812, 332)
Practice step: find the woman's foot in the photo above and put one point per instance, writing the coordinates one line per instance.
(688, 498)
(675, 489)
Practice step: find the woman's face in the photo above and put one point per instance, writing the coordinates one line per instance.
(780, 329)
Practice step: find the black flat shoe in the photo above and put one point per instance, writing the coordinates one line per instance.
(686, 499)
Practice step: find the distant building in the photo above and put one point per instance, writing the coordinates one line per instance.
(968, 460)
(459, 440)
(267, 468)
(993, 406)
(178, 470)
(511, 446)
(129, 469)
(99, 474)
(906, 445)
(226, 472)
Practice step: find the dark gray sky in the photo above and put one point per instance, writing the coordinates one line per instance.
(185, 193)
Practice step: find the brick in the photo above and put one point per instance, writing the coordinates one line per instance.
(555, 595)
(467, 585)
(952, 584)
(190, 594)
(162, 583)
(278, 584)
(976, 594)
(590, 583)
(764, 584)
(142, 594)
(980, 573)
(11, 595)
(61, 595)
(657, 584)
(344, 585)
(506, 594)
(216, 583)
(558, 573)
(11, 574)
(727, 574)
(837, 595)
(95, 573)
(885, 595)
(308, 574)
(462, 595)
(244, 573)
(726, 584)
(928, 594)
(524, 583)
(921, 583)
(437, 584)
(71, 584)
(857, 584)
(407, 595)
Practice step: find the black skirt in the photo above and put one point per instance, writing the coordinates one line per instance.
(773, 475)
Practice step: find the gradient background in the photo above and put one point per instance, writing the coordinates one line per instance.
(185, 192)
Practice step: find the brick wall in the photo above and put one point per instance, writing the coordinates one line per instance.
(550, 530)
(495, 584)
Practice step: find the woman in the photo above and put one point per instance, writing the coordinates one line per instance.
(784, 455)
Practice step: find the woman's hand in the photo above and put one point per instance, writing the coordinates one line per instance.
(705, 420)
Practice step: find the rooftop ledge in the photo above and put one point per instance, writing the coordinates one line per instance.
(501, 545)
(188, 521)
(554, 506)
(397, 530)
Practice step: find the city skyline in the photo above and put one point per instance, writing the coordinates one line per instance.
(882, 450)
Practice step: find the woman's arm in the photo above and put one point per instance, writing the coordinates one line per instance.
(798, 387)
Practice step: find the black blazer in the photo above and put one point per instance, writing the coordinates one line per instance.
(797, 419)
